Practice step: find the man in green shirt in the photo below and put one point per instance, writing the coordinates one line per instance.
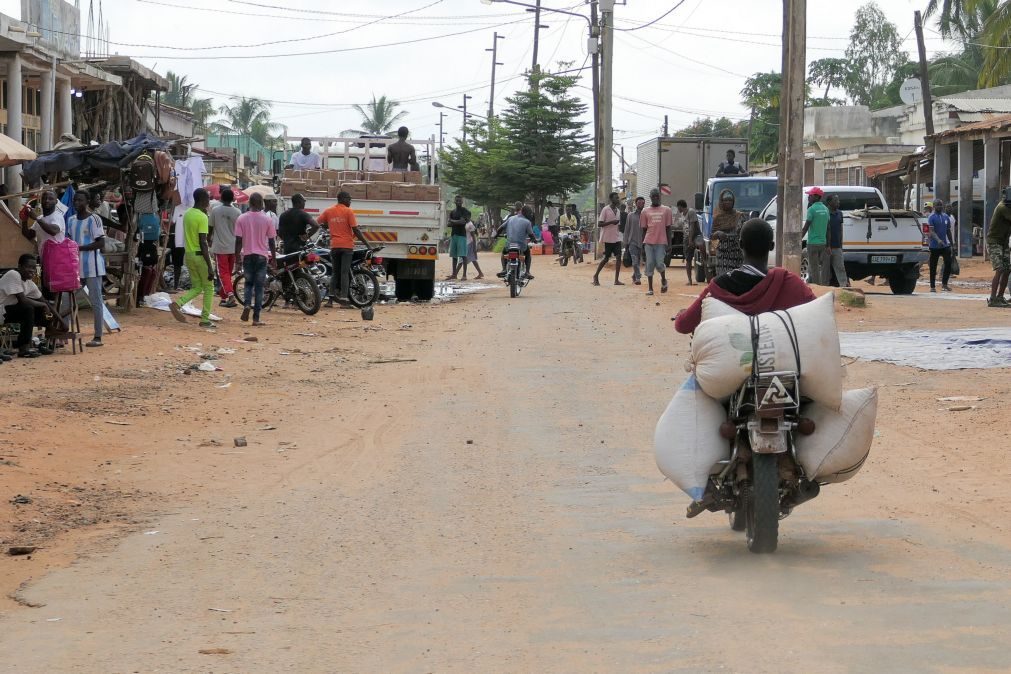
(816, 228)
(997, 247)
(198, 259)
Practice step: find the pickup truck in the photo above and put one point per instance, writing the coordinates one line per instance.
(877, 240)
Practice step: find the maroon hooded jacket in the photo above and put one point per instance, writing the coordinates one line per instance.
(779, 290)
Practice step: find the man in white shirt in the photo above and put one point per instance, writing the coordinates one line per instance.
(47, 226)
(305, 159)
(16, 307)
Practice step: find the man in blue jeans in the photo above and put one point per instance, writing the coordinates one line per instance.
(940, 245)
(255, 245)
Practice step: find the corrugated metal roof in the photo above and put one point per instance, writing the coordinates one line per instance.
(994, 105)
(877, 169)
(998, 123)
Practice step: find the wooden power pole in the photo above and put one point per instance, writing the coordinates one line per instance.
(494, 64)
(928, 107)
(605, 132)
(790, 193)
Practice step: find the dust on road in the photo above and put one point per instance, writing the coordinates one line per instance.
(492, 506)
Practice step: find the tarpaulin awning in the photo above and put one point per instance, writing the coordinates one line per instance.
(114, 154)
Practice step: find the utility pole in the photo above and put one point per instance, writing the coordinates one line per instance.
(928, 108)
(665, 127)
(494, 63)
(606, 133)
(464, 108)
(790, 193)
(537, 32)
(593, 44)
(442, 134)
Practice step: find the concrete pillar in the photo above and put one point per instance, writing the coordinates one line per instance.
(48, 109)
(965, 198)
(66, 117)
(991, 190)
(14, 127)
(942, 172)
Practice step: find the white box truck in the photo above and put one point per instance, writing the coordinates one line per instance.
(680, 167)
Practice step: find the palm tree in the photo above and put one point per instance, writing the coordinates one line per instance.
(202, 109)
(984, 25)
(378, 117)
(180, 92)
(245, 116)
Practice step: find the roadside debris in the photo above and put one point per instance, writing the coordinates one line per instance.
(240, 441)
(16, 550)
(21, 500)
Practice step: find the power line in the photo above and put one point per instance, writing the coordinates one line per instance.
(688, 58)
(407, 20)
(662, 16)
(365, 16)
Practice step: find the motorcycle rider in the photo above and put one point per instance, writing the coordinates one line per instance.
(519, 230)
(752, 288)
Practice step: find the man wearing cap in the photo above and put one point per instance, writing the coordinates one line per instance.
(816, 229)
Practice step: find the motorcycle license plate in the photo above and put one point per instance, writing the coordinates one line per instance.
(884, 259)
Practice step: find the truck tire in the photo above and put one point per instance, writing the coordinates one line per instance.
(902, 283)
(404, 289)
(425, 289)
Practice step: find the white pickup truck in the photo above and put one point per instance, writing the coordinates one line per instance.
(877, 240)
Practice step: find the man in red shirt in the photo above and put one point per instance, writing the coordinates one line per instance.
(752, 288)
(656, 222)
(343, 226)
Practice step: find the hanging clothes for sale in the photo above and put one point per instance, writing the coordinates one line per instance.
(189, 176)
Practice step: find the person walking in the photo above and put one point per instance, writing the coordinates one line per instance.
(835, 241)
(632, 238)
(552, 218)
(458, 219)
(940, 245)
(726, 234)
(471, 258)
(656, 222)
(997, 247)
(85, 228)
(197, 259)
(688, 220)
(609, 220)
(816, 229)
(343, 226)
(256, 246)
(222, 225)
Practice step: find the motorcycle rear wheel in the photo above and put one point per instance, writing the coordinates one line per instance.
(307, 295)
(514, 286)
(364, 290)
(239, 288)
(762, 509)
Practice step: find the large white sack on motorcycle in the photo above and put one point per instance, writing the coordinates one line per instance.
(841, 440)
(714, 308)
(803, 339)
(687, 441)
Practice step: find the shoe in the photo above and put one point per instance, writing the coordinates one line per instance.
(258, 324)
(618, 283)
(946, 289)
(638, 283)
(649, 292)
(4, 358)
(529, 277)
(479, 277)
(245, 313)
(933, 290)
(177, 312)
(998, 303)
(28, 354)
(596, 282)
(663, 288)
(207, 324)
(93, 343)
(501, 274)
(231, 304)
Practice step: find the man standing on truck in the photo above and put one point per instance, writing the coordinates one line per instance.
(611, 238)
(835, 241)
(730, 167)
(343, 226)
(816, 229)
(458, 219)
(305, 159)
(1000, 256)
(401, 154)
(940, 245)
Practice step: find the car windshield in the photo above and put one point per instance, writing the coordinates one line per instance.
(749, 195)
(856, 201)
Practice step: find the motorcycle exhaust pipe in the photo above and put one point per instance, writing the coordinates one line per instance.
(806, 490)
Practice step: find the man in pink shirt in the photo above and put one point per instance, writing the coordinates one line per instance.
(255, 246)
(611, 238)
(656, 222)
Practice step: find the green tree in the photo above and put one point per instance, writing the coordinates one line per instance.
(180, 92)
(721, 127)
(761, 94)
(246, 116)
(874, 53)
(831, 73)
(378, 117)
(203, 110)
(480, 169)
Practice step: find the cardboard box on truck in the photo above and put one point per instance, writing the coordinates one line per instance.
(404, 192)
(385, 177)
(376, 191)
(356, 190)
(427, 192)
(412, 177)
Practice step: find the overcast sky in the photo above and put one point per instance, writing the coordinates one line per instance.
(692, 63)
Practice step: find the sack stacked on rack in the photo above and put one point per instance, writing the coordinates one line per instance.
(687, 444)
(803, 339)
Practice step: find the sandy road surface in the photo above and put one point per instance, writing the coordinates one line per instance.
(493, 506)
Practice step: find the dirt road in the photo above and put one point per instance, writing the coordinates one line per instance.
(486, 502)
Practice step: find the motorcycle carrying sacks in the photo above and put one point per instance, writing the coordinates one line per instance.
(687, 442)
(842, 439)
(803, 339)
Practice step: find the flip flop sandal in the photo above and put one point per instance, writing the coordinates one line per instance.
(45, 351)
(29, 354)
(94, 343)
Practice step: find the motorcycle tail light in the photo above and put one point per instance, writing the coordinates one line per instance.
(413, 250)
(377, 260)
(513, 255)
(312, 258)
(432, 250)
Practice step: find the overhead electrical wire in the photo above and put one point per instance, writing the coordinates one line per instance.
(406, 20)
(647, 25)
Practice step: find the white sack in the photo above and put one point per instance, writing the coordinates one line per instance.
(687, 441)
(722, 350)
(714, 308)
(841, 440)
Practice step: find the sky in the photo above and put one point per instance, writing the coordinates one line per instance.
(690, 64)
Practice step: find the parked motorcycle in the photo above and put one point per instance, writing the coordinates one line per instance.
(570, 245)
(366, 270)
(763, 481)
(516, 270)
(292, 281)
